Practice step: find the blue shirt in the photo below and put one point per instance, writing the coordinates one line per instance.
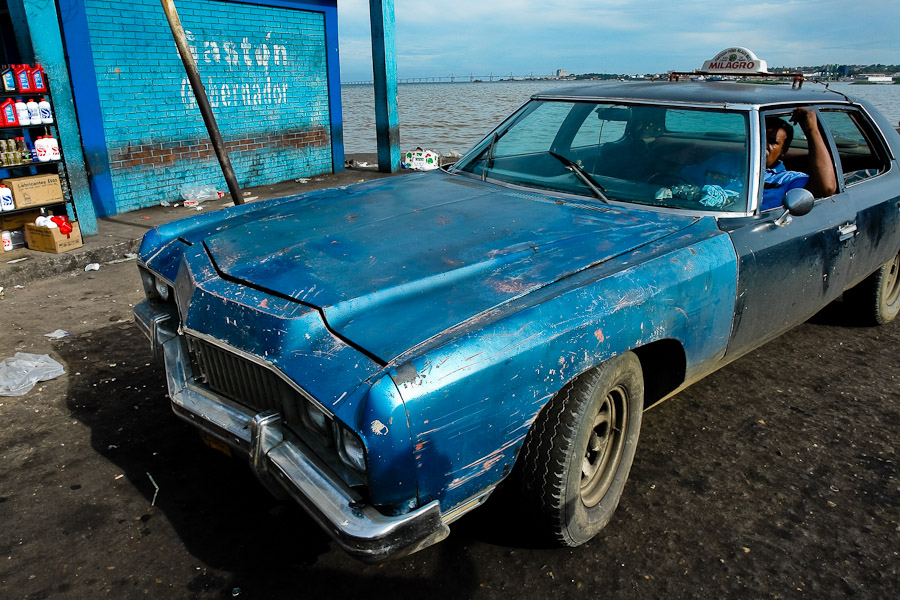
(778, 180)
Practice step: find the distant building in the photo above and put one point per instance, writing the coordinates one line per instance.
(560, 73)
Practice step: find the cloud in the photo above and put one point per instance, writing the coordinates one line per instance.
(619, 36)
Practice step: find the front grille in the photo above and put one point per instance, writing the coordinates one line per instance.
(241, 380)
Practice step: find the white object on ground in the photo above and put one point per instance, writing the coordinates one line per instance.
(92, 267)
(421, 160)
(58, 334)
(199, 192)
(19, 373)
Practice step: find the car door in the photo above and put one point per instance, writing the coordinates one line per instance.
(864, 162)
(788, 271)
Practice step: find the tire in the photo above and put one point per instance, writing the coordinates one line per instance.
(876, 300)
(578, 454)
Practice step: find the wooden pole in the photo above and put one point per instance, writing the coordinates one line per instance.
(190, 66)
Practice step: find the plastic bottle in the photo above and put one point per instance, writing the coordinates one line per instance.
(34, 111)
(38, 78)
(53, 149)
(6, 199)
(24, 152)
(23, 78)
(33, 150)
(22, 113)
(46, 111)
(42, 149)
(8, 117)
(7, 241)
(9, 79)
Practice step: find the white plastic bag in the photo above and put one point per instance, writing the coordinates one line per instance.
(198, 192)
(19, 373)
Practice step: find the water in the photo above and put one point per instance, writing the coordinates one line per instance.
(452, 117)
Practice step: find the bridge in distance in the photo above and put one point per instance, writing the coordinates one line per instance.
(461, 78)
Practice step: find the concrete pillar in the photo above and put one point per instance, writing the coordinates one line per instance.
(384, 69)
(43, 21)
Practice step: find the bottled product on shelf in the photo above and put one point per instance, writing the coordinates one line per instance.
(24, 152)
(34, 111)
(20, 151)
(22, 113)
(47, 148)
(8, 117)
(41, 147)
(53, 149)
(38, 79)
(8, 79)
(46, 111)
(23, 78)
(6, 199)
(8, 157)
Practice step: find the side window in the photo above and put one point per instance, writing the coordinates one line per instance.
(859, 157)
(797, 156)
(599, 128)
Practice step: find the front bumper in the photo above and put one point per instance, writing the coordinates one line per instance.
(281, 460)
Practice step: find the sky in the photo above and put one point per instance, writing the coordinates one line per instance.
(524, 37)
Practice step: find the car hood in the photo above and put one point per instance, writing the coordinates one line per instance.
(392, 263)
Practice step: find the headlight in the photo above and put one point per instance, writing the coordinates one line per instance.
(351, 449)
(162, 289)
(317, 421)
(148, 280)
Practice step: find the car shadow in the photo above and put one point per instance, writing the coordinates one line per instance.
(218, 510)
(839, 314)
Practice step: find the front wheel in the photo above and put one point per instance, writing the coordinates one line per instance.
(876, 300)
(578, 454)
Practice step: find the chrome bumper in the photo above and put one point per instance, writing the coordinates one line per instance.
(282, 461)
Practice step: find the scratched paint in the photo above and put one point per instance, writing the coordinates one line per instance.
(540, 312)
(551, 335)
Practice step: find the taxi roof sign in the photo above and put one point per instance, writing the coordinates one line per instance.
(736, 61)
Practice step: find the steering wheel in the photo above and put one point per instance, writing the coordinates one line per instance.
(668, 179)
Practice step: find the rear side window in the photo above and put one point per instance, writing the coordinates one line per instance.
(859, 152)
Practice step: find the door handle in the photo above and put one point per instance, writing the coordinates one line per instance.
(847, 231)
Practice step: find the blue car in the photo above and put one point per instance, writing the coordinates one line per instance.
(389, 353)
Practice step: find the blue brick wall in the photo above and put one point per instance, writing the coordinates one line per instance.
(265, 72)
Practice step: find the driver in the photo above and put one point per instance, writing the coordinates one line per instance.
(726, 172)
(821, 180)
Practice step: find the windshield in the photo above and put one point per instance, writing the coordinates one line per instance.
(653, 155)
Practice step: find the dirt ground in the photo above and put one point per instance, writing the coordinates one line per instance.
(776, 477)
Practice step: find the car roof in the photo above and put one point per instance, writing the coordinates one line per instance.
(697, 92)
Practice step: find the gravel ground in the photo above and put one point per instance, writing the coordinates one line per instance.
(776, 477)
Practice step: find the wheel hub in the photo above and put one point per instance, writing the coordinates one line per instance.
(605, 446)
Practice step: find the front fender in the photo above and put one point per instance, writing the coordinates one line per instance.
(380, 419)
(472, 400)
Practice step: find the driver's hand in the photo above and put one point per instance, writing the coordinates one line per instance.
(805, 118)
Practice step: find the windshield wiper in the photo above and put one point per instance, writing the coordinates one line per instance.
(581, 174)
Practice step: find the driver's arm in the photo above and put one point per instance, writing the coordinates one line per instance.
(822, 181)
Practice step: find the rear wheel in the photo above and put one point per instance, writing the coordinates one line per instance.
(876, 300)
(578, 454)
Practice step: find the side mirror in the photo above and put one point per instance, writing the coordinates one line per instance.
(797, 202)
